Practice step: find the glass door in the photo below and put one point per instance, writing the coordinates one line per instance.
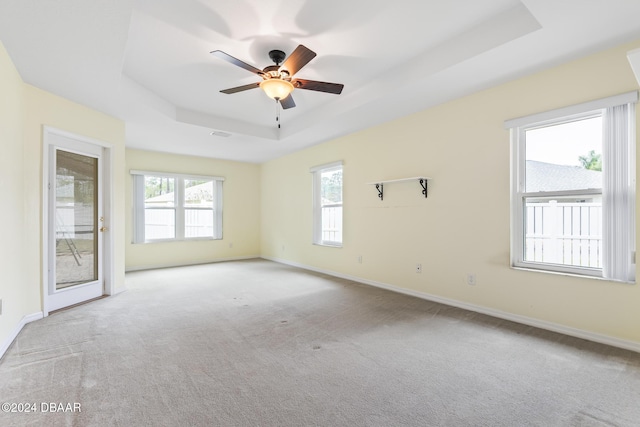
(76, 223)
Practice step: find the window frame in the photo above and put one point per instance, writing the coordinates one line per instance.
(317, 205)
(518, 194)
(138, 178)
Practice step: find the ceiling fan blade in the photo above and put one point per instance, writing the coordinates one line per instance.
(287, 102)
(235, 61)
(298, 59)
(241, 88)
(335, 88)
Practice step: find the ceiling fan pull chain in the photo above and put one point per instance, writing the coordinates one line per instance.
(278, 113)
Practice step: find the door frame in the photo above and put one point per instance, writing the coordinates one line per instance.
(107, 189)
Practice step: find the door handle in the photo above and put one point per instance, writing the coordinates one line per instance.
(103, 229)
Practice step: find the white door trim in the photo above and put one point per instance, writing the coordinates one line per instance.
(107, 179)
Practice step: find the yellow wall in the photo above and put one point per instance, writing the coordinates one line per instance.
(24, 110)
(241, 212)
(17, 296)
(463, 226)
(46, 109)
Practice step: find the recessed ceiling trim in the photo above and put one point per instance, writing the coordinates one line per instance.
(229, 125)
(495, 31)
(634, 60)
(148, 62)
(220, 133)
(134, 92)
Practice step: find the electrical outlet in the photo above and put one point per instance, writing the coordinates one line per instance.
(230, 245)
(359, 259)
(471, 279)
(418, 268)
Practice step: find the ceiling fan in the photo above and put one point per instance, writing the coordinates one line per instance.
(277, 80)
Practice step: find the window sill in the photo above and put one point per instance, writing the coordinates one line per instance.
(194, 239)
(329, 245)
(562, 273)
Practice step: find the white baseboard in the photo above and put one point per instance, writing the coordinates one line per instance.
(542, 324)
(186, 264)
(26, 319)
(117, 291)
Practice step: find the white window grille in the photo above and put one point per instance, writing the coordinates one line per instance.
(176, 207)
(573, 189)
(327, 204)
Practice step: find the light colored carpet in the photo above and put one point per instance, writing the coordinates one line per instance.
(256, 343)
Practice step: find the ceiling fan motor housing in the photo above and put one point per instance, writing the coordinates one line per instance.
(277, 56)
(277, 80)
(273, 71)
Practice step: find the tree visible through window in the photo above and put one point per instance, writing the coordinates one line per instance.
(198, 208)
(176, 207)
(159, 208)
(563, 200)
(573, 189)
(327, 193)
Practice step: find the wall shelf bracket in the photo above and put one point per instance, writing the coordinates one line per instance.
(423, 183)
(380, 184)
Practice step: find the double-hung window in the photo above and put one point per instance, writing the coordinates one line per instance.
(176, 207)
(573, 189)
(327, 204)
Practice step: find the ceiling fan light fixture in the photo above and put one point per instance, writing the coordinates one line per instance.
(276, 88)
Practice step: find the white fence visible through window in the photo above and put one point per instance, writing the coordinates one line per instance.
(198, 223)
(564, 233)
(332, 223)
(160, 223)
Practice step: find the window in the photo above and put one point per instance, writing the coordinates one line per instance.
(176, 207)
(327, 204)
(573, 189)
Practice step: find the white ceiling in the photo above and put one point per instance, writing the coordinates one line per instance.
(147, 62)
